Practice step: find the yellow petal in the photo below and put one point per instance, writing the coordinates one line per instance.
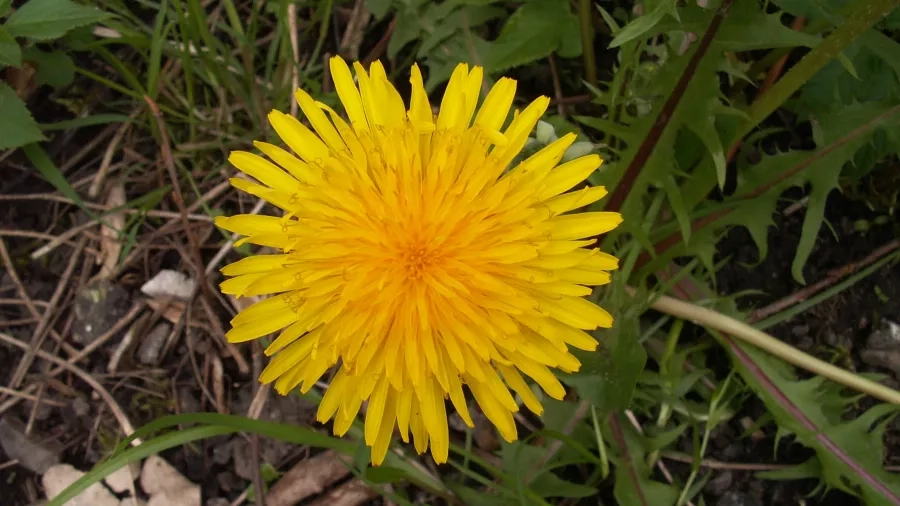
(319, 121)
(347, 92)
(264, 171)
(301, 140)
(579, 226)
(567, 175)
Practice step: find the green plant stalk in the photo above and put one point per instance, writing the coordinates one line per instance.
(585, 15)
(601, 445)
(323, 33)
(665, 411)
(863, 15)
(746, 333)
(707, 431)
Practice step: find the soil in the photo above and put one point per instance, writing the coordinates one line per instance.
(838, 327)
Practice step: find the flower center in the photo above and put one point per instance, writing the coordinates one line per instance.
(417, 259)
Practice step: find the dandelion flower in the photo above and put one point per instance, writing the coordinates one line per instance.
(413, 262)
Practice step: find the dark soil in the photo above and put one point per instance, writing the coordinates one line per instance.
(837, 327)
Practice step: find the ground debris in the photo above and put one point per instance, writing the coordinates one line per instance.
(166, 486)
(60, 476)
(883, 347)
(122, 480)
(168, 283)
(309, 477)
(152, 344)
(35, 456)
(99, 306)
(352, 493)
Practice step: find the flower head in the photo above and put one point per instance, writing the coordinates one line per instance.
(412, 261)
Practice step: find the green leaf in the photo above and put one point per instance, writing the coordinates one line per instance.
(384, 474)
(643, 24)
(17, 127)
(850, 453)
(607, 376)
(633, 486)
(550, 485)
(823, 173)
(379, 8)
(5, 6)
(42, 162)
(10, 52)
(55, 68)
(51, 19)
(517, 44)
(96, 119)
(748, 27)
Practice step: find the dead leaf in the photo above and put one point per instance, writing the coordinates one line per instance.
(171, 309)
(111, 231)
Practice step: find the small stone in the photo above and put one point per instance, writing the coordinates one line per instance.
(720, 483)
(80, 406)
(131, 501)
(169, 283)
(736, 498)
(98, 307)
(152, 344)
(122, 479)
(800, 330)
(228, 481)
(883, 347)
(837, 340)
(158, 475)
(221, 453)
(189, 496)
(60, 476)
(187, 401)
(33, 455)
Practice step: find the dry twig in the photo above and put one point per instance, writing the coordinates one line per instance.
(120, 415)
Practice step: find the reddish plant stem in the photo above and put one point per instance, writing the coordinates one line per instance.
(675, 237)
(665, 114)
(833, 277)
(619, 437)
(756, 371)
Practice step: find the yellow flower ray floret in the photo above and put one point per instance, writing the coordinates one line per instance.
(413, 261)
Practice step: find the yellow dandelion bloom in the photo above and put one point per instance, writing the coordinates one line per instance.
(412, 261)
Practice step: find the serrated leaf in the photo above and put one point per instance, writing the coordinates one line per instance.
(406, 30)
(517, 44)
(51, 19)
(748, 27)
(607, 377)
(54, 68)
(379, 8)
(823, 173)
(848, 452)
(10, 52)
(549, 485)
(884, 47)
(633, 486)
(17, 127)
